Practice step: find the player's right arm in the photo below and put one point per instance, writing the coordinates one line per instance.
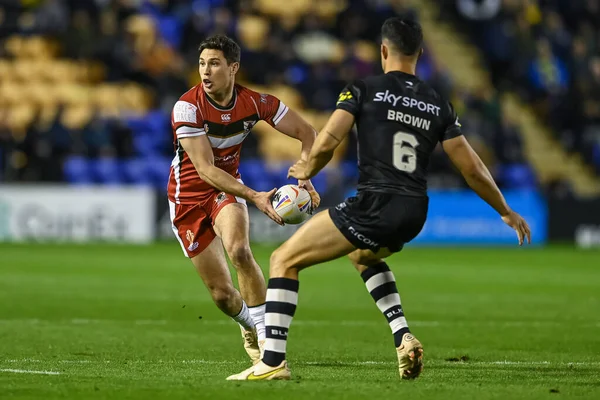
(479, 178)
(200, 152)
(188, 126)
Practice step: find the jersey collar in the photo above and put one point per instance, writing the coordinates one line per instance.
(228, 107)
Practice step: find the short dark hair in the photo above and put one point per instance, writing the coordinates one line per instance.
(405, 35)
(231, 50)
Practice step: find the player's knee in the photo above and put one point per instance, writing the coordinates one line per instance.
(241, 256)
(366, 258)
(279, 263)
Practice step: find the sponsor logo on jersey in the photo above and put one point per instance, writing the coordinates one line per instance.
(341, 206)
(221, 197)
(389, 97)
(248, 125)
(263, 98)
(226, 160)
(226, 117)
(362, 238)
(184, 112)
(347, 95)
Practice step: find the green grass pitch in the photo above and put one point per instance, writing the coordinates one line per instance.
(108, 322)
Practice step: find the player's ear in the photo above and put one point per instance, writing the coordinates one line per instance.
(384, 51)
(234, 67)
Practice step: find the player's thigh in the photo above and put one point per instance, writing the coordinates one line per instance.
(232, 225)
(212, 267)
(192, 228)
(317, 241)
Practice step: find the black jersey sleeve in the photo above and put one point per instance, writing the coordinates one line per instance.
(453, 126)
(351, 97)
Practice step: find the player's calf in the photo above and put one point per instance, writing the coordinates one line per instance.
(226, 298)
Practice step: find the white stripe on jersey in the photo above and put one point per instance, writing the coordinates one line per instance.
(222, 143)
(176, 174)
(281, 111)
(187, 131)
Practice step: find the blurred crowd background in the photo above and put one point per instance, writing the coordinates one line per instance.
(87, 86)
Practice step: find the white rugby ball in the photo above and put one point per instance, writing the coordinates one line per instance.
(292, 203)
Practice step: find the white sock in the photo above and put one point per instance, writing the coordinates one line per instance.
(258, 315)
(243, 318)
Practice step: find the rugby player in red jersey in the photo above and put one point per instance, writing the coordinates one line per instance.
(207, 197)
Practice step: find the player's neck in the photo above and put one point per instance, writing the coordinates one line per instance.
(407, 68)
(406, 65)
(223, 98)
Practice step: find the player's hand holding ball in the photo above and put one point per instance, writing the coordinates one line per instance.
(262, 201)
(314, 195)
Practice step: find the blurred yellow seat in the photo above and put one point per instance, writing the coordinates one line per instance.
(76, 116)
(20, 117)
(134, 99)
(280, 8)
(11, 92)
(14, 45)
(25, 70)
(6, 70)
(40, 94)
(252, 31)
(329, 9)
(366, 51)
(106, 98)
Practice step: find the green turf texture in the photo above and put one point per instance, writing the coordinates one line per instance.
(124, 322)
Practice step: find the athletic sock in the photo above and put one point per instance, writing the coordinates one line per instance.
(282, 298)
(381, 284)
(258, 316)
(243, 318)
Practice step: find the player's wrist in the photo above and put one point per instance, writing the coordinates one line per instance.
(251, 195)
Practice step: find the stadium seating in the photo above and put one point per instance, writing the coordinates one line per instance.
(128, 81)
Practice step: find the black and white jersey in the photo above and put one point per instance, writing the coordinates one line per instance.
(399, 119)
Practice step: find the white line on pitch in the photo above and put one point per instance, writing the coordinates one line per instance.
(415, 323)
(27, 371)
(333, 363)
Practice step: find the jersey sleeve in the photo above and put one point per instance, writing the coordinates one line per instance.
(351, 97)
(453, 126)
(270, 109)
(186, 120)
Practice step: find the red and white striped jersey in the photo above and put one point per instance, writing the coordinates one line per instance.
(197, 114)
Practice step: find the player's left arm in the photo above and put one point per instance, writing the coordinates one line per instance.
(335, 131)
(296, 127)
(291, 124)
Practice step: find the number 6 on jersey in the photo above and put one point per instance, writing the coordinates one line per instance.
(404, 152)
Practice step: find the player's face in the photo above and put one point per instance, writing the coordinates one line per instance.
(217, 76)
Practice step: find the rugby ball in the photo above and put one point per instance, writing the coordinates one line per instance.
(292, 203)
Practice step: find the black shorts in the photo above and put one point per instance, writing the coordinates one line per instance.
(372, 220)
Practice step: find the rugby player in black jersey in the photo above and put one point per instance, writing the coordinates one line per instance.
(400, 120)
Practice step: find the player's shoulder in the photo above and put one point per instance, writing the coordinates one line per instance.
(185, 110)
(246, 93)
(192, 95)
